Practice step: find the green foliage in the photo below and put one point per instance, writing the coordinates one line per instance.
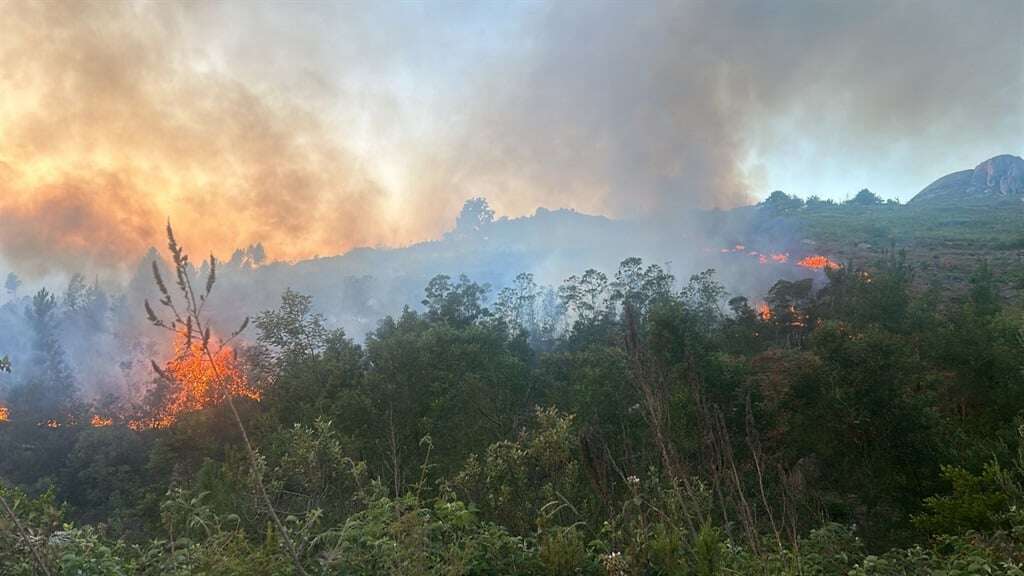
(865, 198)
(408, 536)
(976, 503)
(622, 425)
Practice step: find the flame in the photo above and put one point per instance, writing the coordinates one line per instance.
(817, 262)
(5, 414)
(100, 422)
(52, 424)
(764, 312)
(762, 257)
(197, 383)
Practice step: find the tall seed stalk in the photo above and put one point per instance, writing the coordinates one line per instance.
(190, 324)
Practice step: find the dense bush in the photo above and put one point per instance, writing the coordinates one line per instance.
(635, 428)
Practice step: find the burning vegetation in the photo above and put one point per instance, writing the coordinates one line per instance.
(817, 262)
(100, 422)
(194, 380)
(813, 261)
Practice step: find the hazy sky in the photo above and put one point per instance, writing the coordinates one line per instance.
(315, 127)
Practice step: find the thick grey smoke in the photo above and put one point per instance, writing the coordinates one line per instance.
(648, 108)
(316, 128)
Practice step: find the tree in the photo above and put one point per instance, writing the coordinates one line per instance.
(475, 216)
(865, 198)
(75, 293)
(49, 385)
(459, 303)
(638, 287)
(779, 201)
(516, 305)
(11, 284)
(587, 297)
(789, 303)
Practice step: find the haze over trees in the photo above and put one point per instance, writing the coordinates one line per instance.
(623, 423)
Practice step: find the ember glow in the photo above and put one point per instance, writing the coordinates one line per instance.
(817, 262)
(764, 312)
(5, 414)
(100, 422)
(198, 383)
(762, 257)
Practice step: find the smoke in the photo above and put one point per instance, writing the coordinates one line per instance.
(640, 110)
(317, 128)
(109, 126)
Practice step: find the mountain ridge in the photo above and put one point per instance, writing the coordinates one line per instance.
(995, 180)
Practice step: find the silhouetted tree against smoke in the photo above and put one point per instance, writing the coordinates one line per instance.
(476, 214)
(11, 284)
(48, 387)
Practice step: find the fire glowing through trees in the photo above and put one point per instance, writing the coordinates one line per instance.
(817, 262)
(192, 382)
(814, 261)
(100, 422)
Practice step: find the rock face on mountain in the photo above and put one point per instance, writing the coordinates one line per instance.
(995, 180)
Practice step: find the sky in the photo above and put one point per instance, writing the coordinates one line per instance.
(317, 127)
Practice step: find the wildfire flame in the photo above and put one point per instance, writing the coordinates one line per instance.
(100, 422)
(5, 414)
(197, 382)
(762, 257)
(764, 312)
(817, 262)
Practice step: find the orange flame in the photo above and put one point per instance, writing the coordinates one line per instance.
(5, 414)
(100, 422)
(764, 312)
(52, 424)
(817, 262)
(198, 381)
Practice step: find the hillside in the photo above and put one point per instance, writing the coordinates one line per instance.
(946, 230)
(998, 180)
(945, 241)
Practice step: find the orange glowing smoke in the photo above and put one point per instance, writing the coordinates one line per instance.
(5, 414)
(780, 258)
(198, 383)
(100, 422)
(817, 262)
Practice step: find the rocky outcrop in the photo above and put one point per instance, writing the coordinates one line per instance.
(995, 180)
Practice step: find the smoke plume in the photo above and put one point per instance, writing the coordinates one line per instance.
(317, 128)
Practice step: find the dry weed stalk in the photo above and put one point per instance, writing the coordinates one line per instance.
(190, 324)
